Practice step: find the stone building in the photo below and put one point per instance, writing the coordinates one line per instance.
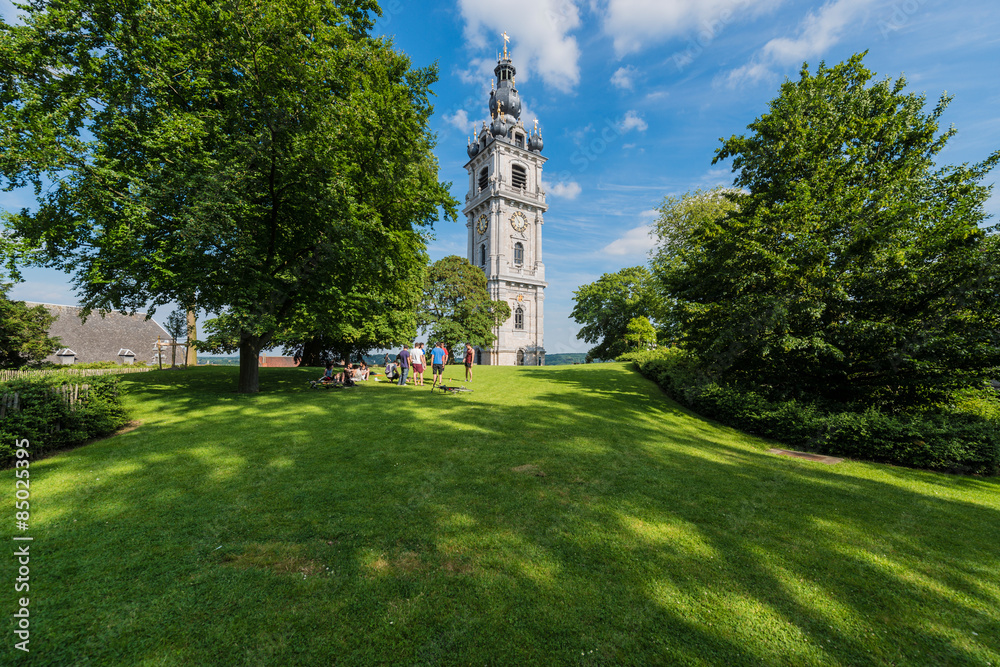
(504, 209)
(115, 337)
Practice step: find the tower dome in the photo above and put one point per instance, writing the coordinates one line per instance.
(535, 142)
(499, 127)
(505, 93)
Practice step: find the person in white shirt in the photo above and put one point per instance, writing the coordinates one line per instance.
(418, 360)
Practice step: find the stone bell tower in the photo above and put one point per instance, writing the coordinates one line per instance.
(504, 209)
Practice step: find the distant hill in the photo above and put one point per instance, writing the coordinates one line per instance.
(219, 361)
(565, 359)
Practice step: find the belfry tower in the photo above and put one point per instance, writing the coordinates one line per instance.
(504, 209)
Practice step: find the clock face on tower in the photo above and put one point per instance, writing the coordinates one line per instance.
(482, 224)
(518, 221)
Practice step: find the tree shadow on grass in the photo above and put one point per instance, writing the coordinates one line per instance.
(651, 539)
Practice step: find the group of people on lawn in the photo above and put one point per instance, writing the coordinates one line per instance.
(406, 359)
(347, 377)
(416, 359)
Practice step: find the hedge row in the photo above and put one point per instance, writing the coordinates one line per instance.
(942, 439)
(49, 423)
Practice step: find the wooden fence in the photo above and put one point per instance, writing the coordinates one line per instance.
(72, 395)
(78, 372)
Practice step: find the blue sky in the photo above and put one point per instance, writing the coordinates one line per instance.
(632, 97)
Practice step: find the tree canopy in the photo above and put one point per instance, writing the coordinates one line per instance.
(607, 306)
(24, 332)
(851, 267)
(262, 161)
(456, 307)
(680, 216)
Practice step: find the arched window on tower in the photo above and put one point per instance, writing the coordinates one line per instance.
(519, 140)
(484, 178)
(518, 254)
(518, 177)
(482, 255)
(519, 318)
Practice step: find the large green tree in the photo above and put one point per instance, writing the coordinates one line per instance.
(679, 217)
(257, 159)
(24, 332)
(852, 267)
(351, 324)
(606, 306)
(456, 307)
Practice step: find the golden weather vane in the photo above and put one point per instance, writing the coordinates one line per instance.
(506, 39)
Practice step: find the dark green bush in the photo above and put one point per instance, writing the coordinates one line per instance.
(945, 438)
(49, 423)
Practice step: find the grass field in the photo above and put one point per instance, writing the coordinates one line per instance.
(554, 516)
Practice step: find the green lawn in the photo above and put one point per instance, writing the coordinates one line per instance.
(569, 515)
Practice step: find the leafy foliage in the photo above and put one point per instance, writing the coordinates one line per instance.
(176, 324)
(48, 422)
(679, 219)
(607, 306)
(640, 334)
(258, 160)
(941, 439)
(850, 268)
(24, 332)
(456, 307)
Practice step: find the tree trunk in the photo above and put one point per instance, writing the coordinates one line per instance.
(249, 369)
(192, 334)
(314, 353)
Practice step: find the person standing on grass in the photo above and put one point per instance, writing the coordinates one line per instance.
(418, 360)
(468, 362)
(438, 356)
(404, 364)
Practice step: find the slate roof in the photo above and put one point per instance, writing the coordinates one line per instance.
(102, 338)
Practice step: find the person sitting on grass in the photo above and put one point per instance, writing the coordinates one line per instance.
(345, 378)
(361, 372)
(327, 376)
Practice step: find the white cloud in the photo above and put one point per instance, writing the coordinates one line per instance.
(542, 44)
(624, 77)
(817, 32)
(568, 190)
(459, 120)
(479, 72)
(634, 23)
(636, 241)
(632, 121)
(750, 73)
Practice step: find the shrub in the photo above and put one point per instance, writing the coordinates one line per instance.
(49, 423)
(946, 438)
(106, 364)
